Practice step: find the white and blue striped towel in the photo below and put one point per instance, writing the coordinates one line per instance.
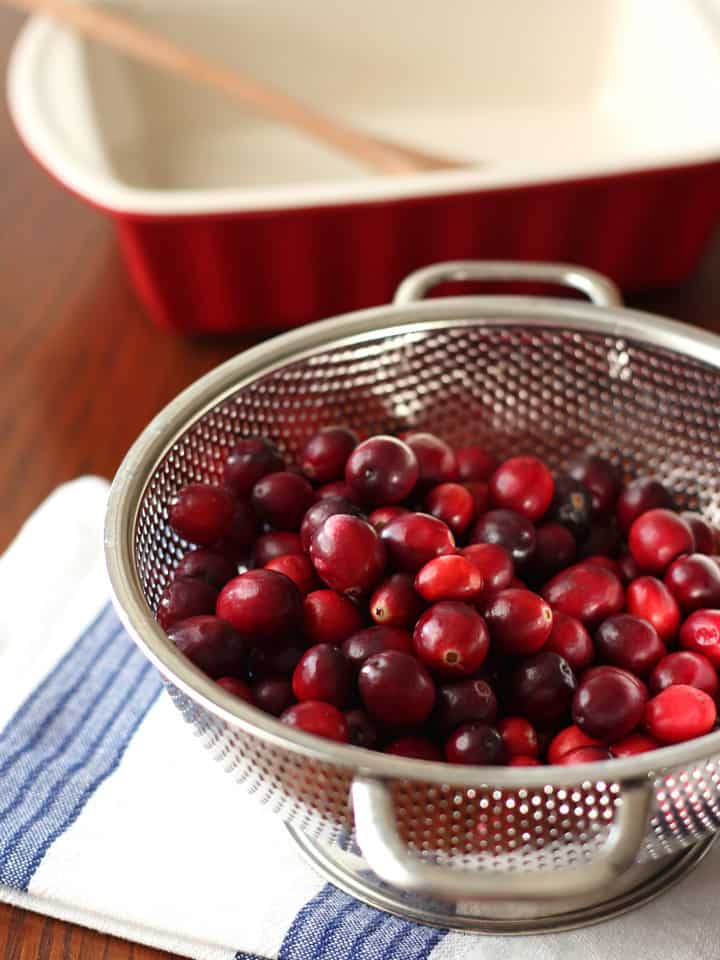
(112, 817)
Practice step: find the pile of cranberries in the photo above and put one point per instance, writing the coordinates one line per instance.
(434, 603)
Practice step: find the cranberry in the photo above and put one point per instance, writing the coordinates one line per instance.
(395, 602)
(449, 578)
(451, 639)
(415, 538)
(396, 688)
(633, 744)
(238, 688)
(382, 470)
(584, 755)
(657, 537)
(608, 704)
(494, 563)
(200, 513)
(680, 713)
(273, 694)
(602, 669)
(542, 687)
(209, 565)
(382, 516)
(508, 529)
(324, 455)
(322, 719)
(569, 739)
(629, 642)
(417, 748)
(249, 460)
(212, 645)
(701, 634)
(184, 598)
(587, 592)
(348, 554)
(694, 581)
(463, 701)
(363, 644)
(519, 621)
(261, 603)
(603, 539)
(241, 533)
(555, 549)
(608, 562)
(601, 479)
(571, 640)
(298, 568)
(318, 514)
(475, 743)
(361, 729)
(637, 498)
(519, 761)
(480, 493)
(519, 737)
(323, 673)
(651, 600)
(329, 617)
(703, 533)
(453, 504)
(277, 543)
(629, 570)
(684, 666)
(571, 505)
(436, 460)
(475, 463)
(338, 488)
(523, 484)
(278, 659)
(281, 499)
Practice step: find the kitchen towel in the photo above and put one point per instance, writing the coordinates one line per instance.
(113, 817)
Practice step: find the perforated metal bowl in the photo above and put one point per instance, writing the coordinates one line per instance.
(507, 849)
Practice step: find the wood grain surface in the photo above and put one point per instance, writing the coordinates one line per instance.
(82, 371)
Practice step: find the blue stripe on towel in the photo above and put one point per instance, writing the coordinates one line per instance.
(66, 739)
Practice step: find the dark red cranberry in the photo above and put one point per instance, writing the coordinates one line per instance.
(382, 516)
(587, 592)
(277, 543)
(273, 694)
(571, 505)
(413, 539)
(633, 745)
(318, 514)
(361, 729)
(629, 570)
(323, 673)
(338, 488)
(451, 639)
(201, 513)
(449, 578)
(212, 645)
(329, 617)
(480, 493)
(261, 604)
(555, 549)
(298, 568)
(657, 537)
(629, 642)
(382, 470)
(238, 688)
(519, 737)
(519, 621)
(241, 533)
(542, 687)
(348, 554)
(694, 581)
(680, 713)
(462, 702)
(609, 704)
(603, 539)
(602, 668)
(395, 602)
(281, 499)
(396, 688)
(600, 477)
(508, 529)
(608, 562)
(475, 743)
(571, 640)
(322, 719)
(684, 666)
(453, 504)
(278, 659)
(416, 748)
(523, 484)
(585, 755)
(701, 634)
(569, 739)
(649, 599)
(637, 498)
(494, 563)
(365, 643)
(249, 460)
(475, 463)
(209, 565)
(703, 533)
(182, 599)
(436, 460)
(324, 455)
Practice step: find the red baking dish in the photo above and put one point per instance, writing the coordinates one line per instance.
(585, 127)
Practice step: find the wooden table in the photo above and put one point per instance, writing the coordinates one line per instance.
(71, 339)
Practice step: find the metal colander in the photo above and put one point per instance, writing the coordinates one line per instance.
(517, 374)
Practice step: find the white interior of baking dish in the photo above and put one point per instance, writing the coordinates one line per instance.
(523, 91)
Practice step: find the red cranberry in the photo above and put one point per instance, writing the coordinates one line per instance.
(413, 539)
(365, 643)
(694, 581)
(261, 603)
(182, 599)
(603, 539)
(338, 488)
(249, 460)
(508, 529)
(323, 673)
(209, 565)
(277, 543)
(348, 554)
(629, 570)
(453, 504)
(281, 499)
(361, 729)
(571, 640)
(435, 458)
(241, 533)
(634, 744)
(298, 568)
(542, 687)
(601, 669)
(475, 743)
(318, 514)
(523, 484)
(273, 694)
(201, 513)
(684, 666)
(587, 592)
(322, 719)
(417, 748)
(637, 498)
(210, 643)
(680, 713)
(601, 479)
(449, 578)
(519, 737)
(701, 634)
(451, 639)
(324, 455)
(475, 463)
(329, 617)
(703, 533)
(599, 561)
(462, 702)
(519, 621)
(571, 505)
(395, 602)
(555, 549)
(382, 470)
(651, 600)
(570, 739)
(396, 688)
(480, 493)
(519, 761)
(238, 688)
(494, 563)
(382, 516)
(585, 755)
(608, 704)
(269, 661)
(657, 537)
(629, 642)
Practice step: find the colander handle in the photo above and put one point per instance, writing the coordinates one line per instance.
(598, 288)
(387, 853)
